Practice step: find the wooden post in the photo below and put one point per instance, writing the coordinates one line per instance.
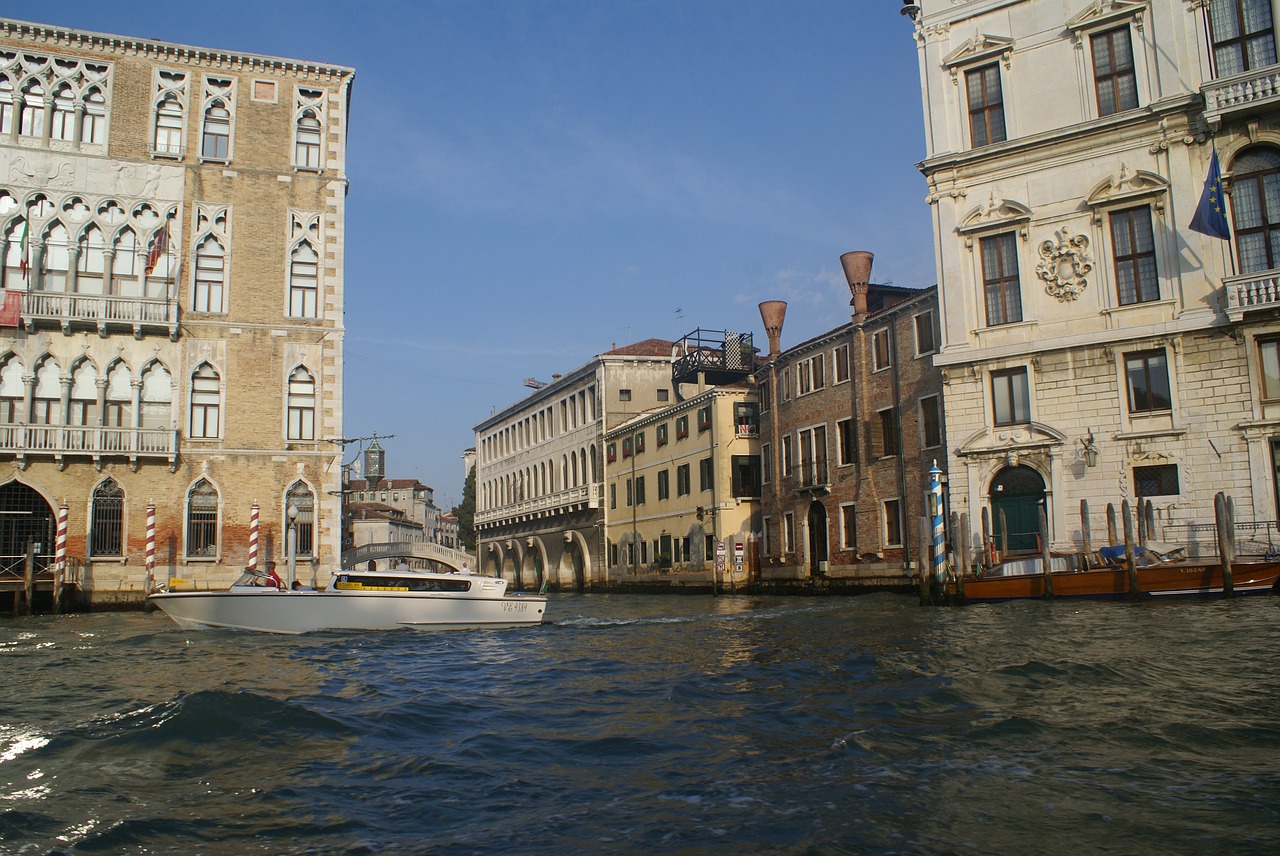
(29, 578)
(1004, 534)
(959, 551)
(1086, 533)
(1231, 524)
(1111, 525)
(1130, 559)
(1222, 513)
(986, 536)
(1045, 564)
(926, 541)
(1151, 520)
(1142, 522)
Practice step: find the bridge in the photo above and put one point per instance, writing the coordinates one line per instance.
(388, 550)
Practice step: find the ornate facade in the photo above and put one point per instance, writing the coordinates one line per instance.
(171, 228)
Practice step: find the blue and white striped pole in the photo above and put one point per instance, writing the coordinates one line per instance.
(939, 559)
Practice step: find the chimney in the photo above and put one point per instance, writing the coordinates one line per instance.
(857, 272)
(771, 313)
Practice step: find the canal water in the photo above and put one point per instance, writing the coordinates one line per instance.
(650, 724)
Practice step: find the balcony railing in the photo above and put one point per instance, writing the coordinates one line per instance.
(102, 311)
(563, 500)
(1251, 291)
(88, 441)
(808, 476)
(1248, 92)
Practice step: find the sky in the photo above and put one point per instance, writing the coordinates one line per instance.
(533, 182)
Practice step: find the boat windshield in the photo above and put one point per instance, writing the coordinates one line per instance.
(367, 582)
(252, 577)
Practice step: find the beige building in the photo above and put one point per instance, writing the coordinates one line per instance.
(1094, 345)
(682, 482)
(172, 221)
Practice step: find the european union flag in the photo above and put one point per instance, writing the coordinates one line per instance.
(1211, 218)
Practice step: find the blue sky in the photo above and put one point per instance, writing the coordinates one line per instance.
(535, 181)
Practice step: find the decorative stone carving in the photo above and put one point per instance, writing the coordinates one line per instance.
(1064, 265)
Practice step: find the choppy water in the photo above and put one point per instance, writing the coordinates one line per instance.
(654, 725)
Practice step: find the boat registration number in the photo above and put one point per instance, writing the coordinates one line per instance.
(515, 607)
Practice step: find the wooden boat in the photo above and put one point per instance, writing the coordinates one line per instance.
(356, 600)
(1157, 577)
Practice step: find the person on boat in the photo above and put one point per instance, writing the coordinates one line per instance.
(297, 586)
(274, 579)
(403, 566)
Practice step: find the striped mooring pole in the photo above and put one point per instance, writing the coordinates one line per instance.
(937, 517)
(60, 555)
(253, 536)
(151, 544)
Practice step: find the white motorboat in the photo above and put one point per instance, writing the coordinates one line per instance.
(356, 600)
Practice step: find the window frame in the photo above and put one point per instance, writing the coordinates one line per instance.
(1141, 289)
(1007, 378)
(881, 350)
(989, 113)
(1008, 284)
(930, 317)
(1241, 39)
(1143, 361)
(1114, 77)
(931, 439)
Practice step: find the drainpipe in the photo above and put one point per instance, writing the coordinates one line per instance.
(904, 517)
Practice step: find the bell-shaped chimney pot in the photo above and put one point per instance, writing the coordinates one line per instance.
(772, 312)
(857, 272)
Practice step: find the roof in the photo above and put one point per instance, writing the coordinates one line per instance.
(387, 484)
(646, 348)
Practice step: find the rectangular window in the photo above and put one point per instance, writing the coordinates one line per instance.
(1000, 285)
(1269, 366)
(926, 334)
(1113, 74)
(930, 422)
(789, 532)
(682, 480)
(639, 490)
(1148, 376)
(892, 523)
(1243, 35)
(613, 495)
(765, 395)
(1135, 252)
(682, 427)
(986, 105)
(640, 442)
(704, 419)
(1159, 480)
(664, 395)
(888, 432)
(1010, 397)
(846, 442)
(880, 349)
(624, 395)
(704, 474)
(630, 493)
(746, 419)
(746, 475)
(849, 527)
(787, 459)
(767, 546)
(664, 485)
(840, 363)
(661, 431)
(766, 462)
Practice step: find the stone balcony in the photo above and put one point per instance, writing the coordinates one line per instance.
(105, 313)
(572, 499)
(1250, 292)
(808, 478)
(95, 442)
(1241, 94)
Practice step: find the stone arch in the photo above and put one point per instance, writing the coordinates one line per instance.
(1017, 492)
(575, 561)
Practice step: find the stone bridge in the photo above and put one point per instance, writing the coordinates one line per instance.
(389, 550)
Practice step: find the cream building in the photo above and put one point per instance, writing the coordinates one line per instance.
(683, 481)
(172, 221)
(1094, 347)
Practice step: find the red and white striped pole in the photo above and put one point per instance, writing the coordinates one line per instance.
(60, 557)
(151, 543)
(253, 536)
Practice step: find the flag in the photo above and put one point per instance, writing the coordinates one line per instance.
(11, 310)
(1210, 217)
(23, 264)
(159, 247)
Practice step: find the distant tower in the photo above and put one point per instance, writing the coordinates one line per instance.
(375, 463)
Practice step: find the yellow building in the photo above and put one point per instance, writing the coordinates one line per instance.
(172, 221)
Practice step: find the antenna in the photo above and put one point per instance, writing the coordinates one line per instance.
(534, 383)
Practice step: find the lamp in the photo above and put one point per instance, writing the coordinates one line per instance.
(1090, 450)
(293, 541)
(910, 9)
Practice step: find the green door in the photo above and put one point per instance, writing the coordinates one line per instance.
(1018, 494)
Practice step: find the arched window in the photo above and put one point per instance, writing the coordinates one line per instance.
(157, 397)
(306, 153)
(302, 405)
(1255, 204)
(210, 272)
(119, 398)
(301, 497)
(93, 125)
(12, 391)
(6, 105)
(64, 115)
(216, 142)
(13, 276)
(206, 398)
(124, 265)
(91, 262)
(106, 529)
(202, 521)
(53, 275)
(303, 281)
(84, 396)
(46, 405)
(169, 125)
(31, 122)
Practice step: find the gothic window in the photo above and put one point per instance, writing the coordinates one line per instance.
(216, 142)
(90, 262)
(93, 125)
(1255, 208)
(157, 397)
(119, 398)
(55, 259)
(303, 281)
(124, 265)
(306, 153)
(12, 391)
(84, 395)
(210, 273)
(1000, 279)
(31, 121)
(64, 115)
(1243, 35)
(202, 521)
(302, 405)
(1135, 256)
(206, 402)
(986, 105)
(168, 139)
(301, 498)
(46, 403)
(1113, 73)
(13, 274)
(6, 105)
(106, 529)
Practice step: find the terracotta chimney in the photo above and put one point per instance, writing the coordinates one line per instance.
(771, 313)
(857, 272)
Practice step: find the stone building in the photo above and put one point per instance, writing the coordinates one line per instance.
(1096, 346)
(682, 480)
(540, 473)
(851, 424)
(172, 228)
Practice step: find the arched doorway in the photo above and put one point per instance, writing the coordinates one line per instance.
(817, 536)
(25, 518)
(1018, 494)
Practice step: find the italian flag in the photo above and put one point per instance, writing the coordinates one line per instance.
(23, 265)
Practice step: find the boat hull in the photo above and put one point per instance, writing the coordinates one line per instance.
(272, 611)
(1184, 579)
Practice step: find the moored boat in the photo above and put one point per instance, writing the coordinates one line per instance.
(356, 600)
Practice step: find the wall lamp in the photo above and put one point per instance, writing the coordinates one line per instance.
(1090, 450)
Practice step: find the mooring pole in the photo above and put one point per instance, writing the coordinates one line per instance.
(1111, 524)
(29, 578)
(1222, 514)
(1045, 565)
(1130, 558)
(1086, 532)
